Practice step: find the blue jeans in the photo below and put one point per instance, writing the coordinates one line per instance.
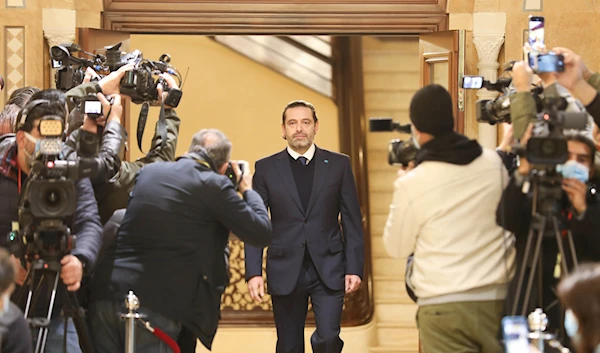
(56, 333)
(108, 329)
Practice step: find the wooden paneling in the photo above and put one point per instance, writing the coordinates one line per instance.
(281, 17)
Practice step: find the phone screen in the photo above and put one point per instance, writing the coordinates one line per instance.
(536, 33)
(93, 107)
(549, 63)
(56, 64)
(516, 334)
(472, 82)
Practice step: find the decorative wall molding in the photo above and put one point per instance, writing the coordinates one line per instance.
(283, 17)
(14, 59)
(488, 36)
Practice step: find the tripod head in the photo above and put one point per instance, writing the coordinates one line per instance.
(547, 192)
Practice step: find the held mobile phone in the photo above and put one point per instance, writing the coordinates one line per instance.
(550, 62)
(92, 106)
(472, 82)
(516, 334)
(536, 33)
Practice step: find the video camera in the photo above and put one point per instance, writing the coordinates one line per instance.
(399, 151)
(139, 83)
(48, 200)
(71, 70)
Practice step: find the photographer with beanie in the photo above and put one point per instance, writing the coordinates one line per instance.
(443, 212)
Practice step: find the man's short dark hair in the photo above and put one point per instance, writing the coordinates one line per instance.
(299, 103)
(42, 103)
(586, 141)
(7, 270)
(21, 96)
(214, 142)
(8, 118)
(75, 120)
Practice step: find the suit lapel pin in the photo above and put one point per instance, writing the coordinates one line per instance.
(326, 161)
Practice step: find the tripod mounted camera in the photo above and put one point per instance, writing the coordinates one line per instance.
(41, 237)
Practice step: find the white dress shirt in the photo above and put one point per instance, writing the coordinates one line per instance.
(309, 154)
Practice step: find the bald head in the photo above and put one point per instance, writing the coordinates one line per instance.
(214, 142)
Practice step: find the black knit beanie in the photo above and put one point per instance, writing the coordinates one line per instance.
(431, 110)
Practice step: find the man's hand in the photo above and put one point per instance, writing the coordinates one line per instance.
(171, 83)
(89, 75)
(508, 137)
(405, 169)
(522, 76)
(246, 179)
(524, 166)
(576, 191)
(352, 283)
(575, 75)
(256, 287)
(111, 83)
(71, 272)
(20, 273)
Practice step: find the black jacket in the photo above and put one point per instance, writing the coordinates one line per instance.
(336, 248)
(15, 335)
(169, 248)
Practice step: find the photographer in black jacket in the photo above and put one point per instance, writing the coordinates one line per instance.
(169, 248)
(16, 154)
(578, 211)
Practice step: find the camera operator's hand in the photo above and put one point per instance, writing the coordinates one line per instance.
(89, 75)
(575, 76)
(576, 191)
(114, 111)
(71, 272)
(524, 166)
(256, 287)
(246, 179)
(21, 273)
(171, 84)
(522, 76)
(111, 83)
(405, 169)
(508, 137)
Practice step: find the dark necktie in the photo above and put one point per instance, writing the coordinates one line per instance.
(303, 160)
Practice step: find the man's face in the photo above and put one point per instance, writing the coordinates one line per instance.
(299, 128)
(25, 144)
(580, 152)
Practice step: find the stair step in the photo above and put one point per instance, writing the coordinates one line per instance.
(403, 315)
(390, 290)
(389, 267)
(391, 349)
(394, 335)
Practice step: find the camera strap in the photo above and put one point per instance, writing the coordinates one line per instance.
(161, 128)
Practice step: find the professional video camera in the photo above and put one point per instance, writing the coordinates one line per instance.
(42, 238)
(71, 70)
(139, 83)
(48, 199)
(399, 151)
(490, 111)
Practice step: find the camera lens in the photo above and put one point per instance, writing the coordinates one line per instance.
(548, 148)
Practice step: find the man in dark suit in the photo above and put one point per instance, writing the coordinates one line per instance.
(307, 189)
(169, 248)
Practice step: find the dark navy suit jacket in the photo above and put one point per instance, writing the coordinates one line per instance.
(336, 247)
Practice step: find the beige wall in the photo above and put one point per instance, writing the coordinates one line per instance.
(571, 24)
(24, 17)
(230, 92)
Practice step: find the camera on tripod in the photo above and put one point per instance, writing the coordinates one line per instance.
(399, 151)
(71, 70)
(49, 199)
(139, 84)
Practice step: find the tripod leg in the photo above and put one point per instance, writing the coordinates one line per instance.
(573, 253)
(75, 311)
(515, 307)
(534, 264)
(29, 292)
(23, 290)
(43, 334)
(561, 249)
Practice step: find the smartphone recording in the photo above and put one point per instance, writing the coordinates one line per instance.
(472, 82)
